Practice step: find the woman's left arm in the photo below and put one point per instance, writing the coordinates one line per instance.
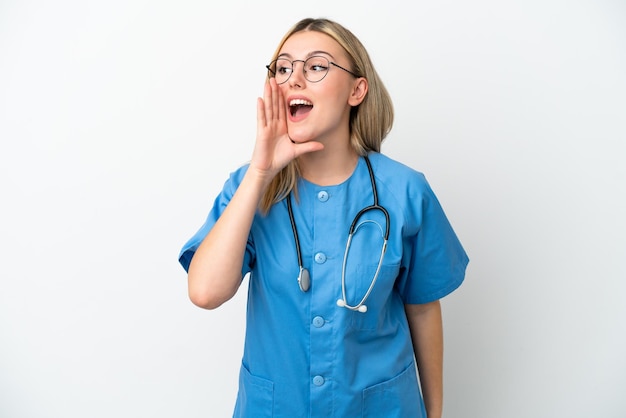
(427, 334)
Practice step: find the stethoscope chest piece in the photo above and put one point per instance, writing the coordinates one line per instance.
(304, 279)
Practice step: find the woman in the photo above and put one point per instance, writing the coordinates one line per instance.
(338, 316)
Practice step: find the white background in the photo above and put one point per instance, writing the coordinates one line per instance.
(120, 121)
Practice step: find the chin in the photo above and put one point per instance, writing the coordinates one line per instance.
(300, 137)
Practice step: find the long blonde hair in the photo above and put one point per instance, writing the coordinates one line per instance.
(370, 121)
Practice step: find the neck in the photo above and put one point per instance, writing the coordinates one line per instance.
(328, 167)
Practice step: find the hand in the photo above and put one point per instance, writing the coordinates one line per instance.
(274, 149)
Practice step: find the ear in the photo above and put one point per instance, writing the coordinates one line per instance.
(359, 91)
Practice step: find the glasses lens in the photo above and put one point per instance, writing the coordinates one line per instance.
(280, 70)
(316, 68)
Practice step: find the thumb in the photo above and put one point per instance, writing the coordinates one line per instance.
(308, 147)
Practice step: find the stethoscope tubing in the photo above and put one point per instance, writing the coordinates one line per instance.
(343, 302)
(304, 281)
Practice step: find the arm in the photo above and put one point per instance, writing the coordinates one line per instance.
(215, 270)
(426, 328)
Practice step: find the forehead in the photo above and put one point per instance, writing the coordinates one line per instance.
(302, 44)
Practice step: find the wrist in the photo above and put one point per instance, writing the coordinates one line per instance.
(258, 177)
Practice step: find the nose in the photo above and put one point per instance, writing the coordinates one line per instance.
(297, 75)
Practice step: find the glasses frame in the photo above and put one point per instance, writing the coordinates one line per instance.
(271, 73)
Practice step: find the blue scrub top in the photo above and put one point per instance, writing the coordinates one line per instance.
(304, 356)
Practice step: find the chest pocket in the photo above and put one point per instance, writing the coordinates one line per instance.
(378, 300)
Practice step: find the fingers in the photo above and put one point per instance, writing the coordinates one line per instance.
(266, 106)
(282, 107)
(271, 99)
(275, 98)
(260, 113)
(267, 99)
(273, 102)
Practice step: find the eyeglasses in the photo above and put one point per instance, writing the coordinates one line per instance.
(315, 69)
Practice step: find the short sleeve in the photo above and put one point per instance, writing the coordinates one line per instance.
(221, 201)
(434, 261)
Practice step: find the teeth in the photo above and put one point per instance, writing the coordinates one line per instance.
(302, 102)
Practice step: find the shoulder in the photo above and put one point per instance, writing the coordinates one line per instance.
(397, 177)
(239, 172)
(235, 178)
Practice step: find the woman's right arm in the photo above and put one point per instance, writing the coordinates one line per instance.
(215, 270)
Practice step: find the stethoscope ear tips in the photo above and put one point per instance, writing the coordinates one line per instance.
(342, 304)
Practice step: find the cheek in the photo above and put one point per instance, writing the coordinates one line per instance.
(338, 93)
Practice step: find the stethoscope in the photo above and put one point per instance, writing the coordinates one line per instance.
(304, 278)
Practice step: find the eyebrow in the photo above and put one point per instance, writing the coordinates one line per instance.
(310, 54)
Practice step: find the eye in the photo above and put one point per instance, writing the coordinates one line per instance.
(318, 67)
(317, 64)
(283, 67)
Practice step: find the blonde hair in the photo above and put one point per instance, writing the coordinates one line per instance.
(370, 121)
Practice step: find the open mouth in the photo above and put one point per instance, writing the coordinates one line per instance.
(299, 107)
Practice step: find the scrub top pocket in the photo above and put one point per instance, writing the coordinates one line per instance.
(356, 288)
(255, 398)
(398, 397)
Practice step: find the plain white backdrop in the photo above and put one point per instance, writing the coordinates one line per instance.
(120, 121)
